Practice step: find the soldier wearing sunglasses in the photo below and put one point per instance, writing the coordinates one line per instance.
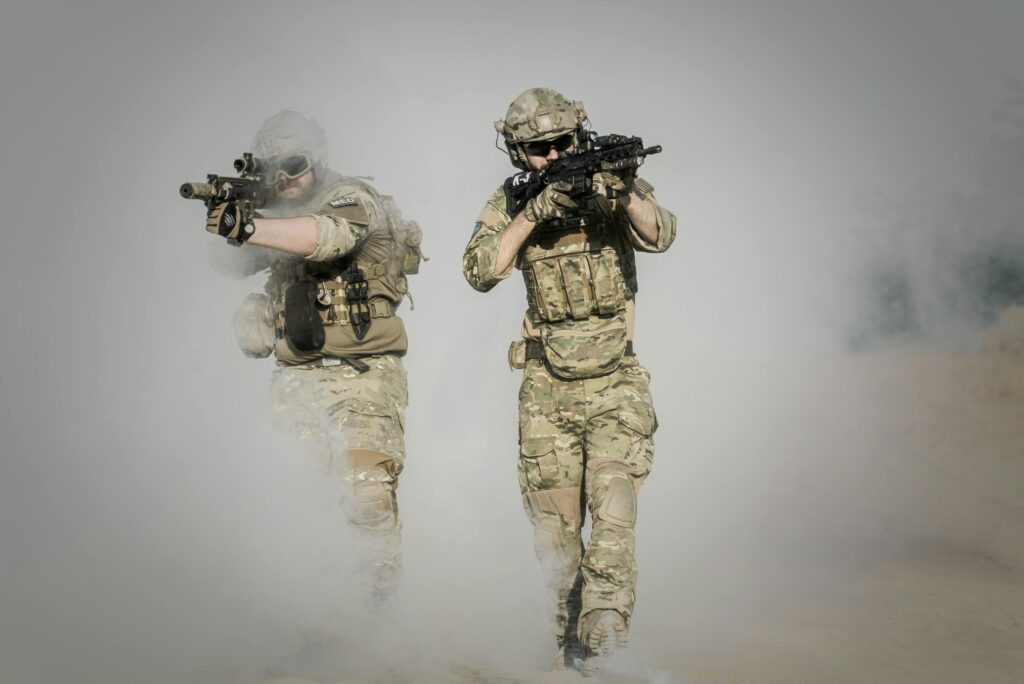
(338, 254)
(586, 418)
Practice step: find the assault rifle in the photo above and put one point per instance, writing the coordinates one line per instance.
(604, 153)
(248, 189)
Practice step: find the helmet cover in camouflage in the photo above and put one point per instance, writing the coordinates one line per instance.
(289, 133)
(540, 114)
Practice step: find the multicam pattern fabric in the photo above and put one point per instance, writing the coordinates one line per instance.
(539, 114)
(350, 420)
(343, 416)
(585, 349)
(481, 253)
(585, 441)
(586, 416)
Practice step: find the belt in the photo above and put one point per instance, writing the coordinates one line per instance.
(535, 350)
(354, 361)
(326, 361)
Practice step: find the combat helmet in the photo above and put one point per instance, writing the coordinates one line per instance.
(287, 136)
(539, 114)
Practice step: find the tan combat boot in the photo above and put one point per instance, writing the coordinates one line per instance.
(604, 634)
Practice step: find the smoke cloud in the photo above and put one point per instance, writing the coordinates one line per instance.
(834, 340)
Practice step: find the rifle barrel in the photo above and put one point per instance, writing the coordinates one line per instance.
(199, 191)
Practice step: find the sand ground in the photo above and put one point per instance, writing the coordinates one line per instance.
(939, 597)
(935, 593)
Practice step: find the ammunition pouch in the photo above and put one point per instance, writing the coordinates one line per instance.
(517, 355)
(575, 286)
(412, 254)
(338, 310)
(357, 299)
(303, 327)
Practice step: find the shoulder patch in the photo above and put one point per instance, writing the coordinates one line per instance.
(343, 202)
(477, 226)
(643, 186)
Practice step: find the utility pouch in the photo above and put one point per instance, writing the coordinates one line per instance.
(517, 355)
(357, 293)
(585, 349)
(303, 326)
(412, 255)
(254, 327)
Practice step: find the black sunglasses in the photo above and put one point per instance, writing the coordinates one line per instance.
(541, 148)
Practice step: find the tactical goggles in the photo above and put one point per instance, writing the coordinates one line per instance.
(540, 148)
(289, 168)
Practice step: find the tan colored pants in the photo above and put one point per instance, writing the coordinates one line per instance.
(353, 423)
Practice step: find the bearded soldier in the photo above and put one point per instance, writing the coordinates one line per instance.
(338, 253)
(585, 412)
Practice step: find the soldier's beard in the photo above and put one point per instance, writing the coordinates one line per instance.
(288, 206)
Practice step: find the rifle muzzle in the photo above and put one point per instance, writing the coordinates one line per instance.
(198, 191)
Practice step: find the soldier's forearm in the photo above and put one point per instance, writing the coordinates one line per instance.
(643, 214)
(293, 235)
(511, 241)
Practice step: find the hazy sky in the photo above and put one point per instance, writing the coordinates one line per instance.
(153, 526)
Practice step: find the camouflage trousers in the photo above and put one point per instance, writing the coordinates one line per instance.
(353, 423)
(585, 443)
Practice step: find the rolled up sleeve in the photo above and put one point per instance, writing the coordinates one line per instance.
(341, 229)
(481, 256)
(666, 232)
(335, 237)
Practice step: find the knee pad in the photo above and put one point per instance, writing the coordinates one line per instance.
(617, 502)
(372, 504)
(371, 501)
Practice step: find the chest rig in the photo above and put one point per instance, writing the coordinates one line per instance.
(577, 272)
(312, 296)
(353, 291)
(579, 279)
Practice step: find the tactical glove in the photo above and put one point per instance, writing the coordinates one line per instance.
(552, 203)
(616, 183)
(229, 221)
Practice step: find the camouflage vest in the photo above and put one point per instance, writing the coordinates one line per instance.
(357, 313)
(574, 273)
(578, 283)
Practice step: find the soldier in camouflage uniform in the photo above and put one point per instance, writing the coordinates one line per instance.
(585, 414)
(338, 253)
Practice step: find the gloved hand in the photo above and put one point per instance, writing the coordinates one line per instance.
(228, 220)
(616, 183)
(552, 203)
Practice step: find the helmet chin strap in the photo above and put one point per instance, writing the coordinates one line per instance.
(519, 157)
